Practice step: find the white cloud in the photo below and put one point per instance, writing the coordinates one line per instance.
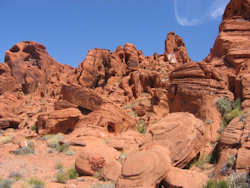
(217, 8)
(183, 20)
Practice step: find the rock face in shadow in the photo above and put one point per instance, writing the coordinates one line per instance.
(58, 121)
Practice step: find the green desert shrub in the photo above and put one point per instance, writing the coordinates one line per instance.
(35, 183)
(231, 161)
(33, 128)
(28, 149)
(103, 185)
(201, 162)
(99, 174)
(15, 176)
(72, 173)
(122, 156)
(54, 142)
(237, 180)
(61, 176)
(224, 105)
(5, 139)
(228, 111)
(5, 183)
(58, 165)
(69, 152)
(141, 128)
(216, 184)
(132, 114)
(231, 115)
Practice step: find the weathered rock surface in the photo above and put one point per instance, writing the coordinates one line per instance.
(81, 97)
(185, 178)
(152, 168)
(98, 66)
(35, 70)
(7, 82)
(195, 88)
(175, 49)
(231, 55)
(95, 157)
(232, 133)
(114, 110)
(182, 134)
(99, 112)
(63, 121)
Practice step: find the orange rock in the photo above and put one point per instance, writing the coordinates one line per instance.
(94, 157)
(145, 169)
(182, 134)
(175, 49)
(243, 159)
(57, 121)
(112, 171)
(185, 178)
(82, 97)
(35, 70)
(195, 88)
(232, 133)
(98, 66)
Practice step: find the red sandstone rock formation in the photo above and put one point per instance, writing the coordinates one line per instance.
(105, 104)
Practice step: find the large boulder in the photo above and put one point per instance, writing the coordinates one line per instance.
(145, 169)
(182, 134)
(96, 157)
(177, 177)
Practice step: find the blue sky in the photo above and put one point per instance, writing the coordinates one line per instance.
(69, 28)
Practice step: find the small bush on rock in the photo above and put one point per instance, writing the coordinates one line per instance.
(5, 139)
(61, 176)
(54, 142)
(72, 173)
(200, 163)
(15, 175)
(58, 165)
(228, 111)
(141, 128)
(216, 184)
(5, 183)
(99, 174)
(224, 105)
(103, 185)
(28, 149)
(35, 183)
(236, 180)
